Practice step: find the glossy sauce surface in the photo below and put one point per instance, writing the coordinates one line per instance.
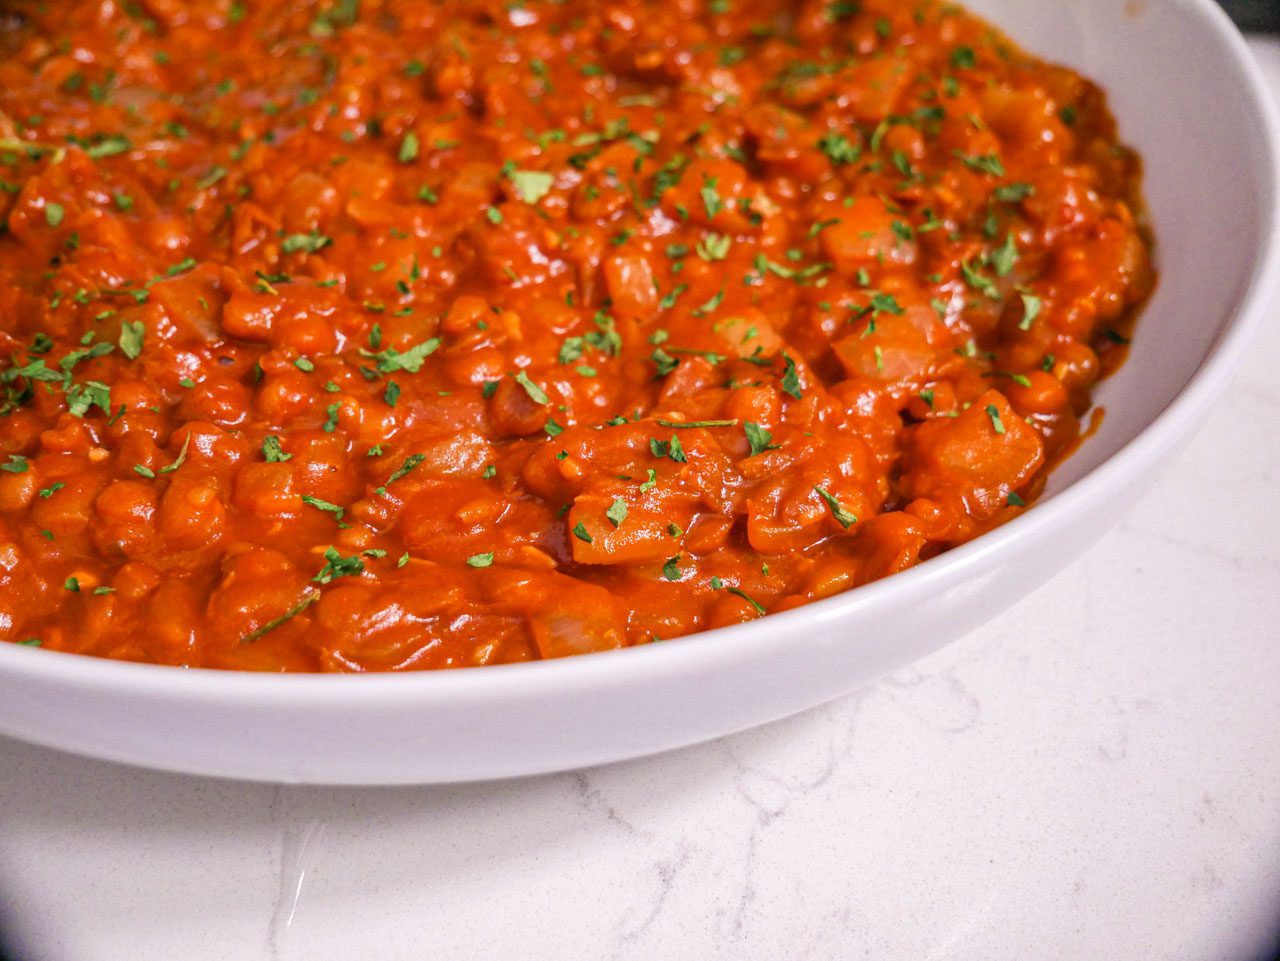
(381, 334)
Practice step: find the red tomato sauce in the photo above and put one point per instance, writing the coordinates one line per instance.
(382, 334)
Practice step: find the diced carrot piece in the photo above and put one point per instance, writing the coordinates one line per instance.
(602, 533)
(975, 459)
(629, 280)
(576, 618)
(862, 235)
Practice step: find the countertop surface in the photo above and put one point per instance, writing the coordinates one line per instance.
(1094, 774)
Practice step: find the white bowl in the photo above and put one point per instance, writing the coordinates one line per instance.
(1187, 96)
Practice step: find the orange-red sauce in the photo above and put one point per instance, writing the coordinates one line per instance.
(385, 334)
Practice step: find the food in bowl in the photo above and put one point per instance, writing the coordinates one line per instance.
(386, 335)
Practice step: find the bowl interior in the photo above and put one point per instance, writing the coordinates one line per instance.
(1209, 197)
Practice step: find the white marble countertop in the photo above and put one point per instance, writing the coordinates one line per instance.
(1095, 774)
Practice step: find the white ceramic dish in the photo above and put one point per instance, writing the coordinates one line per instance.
(1187, 97)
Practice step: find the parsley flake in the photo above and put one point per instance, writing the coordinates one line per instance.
(305, 243)
(714, 247)
(984, 164)
(410, 361)
(272, 451)
(1005, 257)
(710, 198)
(410, 462)
(307, 600)
(994, 413)
(758, 438)
(536, 393)
(838, 511)
(338, 566)
(408, 148)
(1014, 193)
(617, 512)
(331, 418)
(756, 605)
(531, 185)
(791, 379)
(963, 58)
(326, 506)
(839, 149)
(1031, 306)
(132, 334)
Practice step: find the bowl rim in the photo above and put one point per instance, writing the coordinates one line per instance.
(741, 641)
